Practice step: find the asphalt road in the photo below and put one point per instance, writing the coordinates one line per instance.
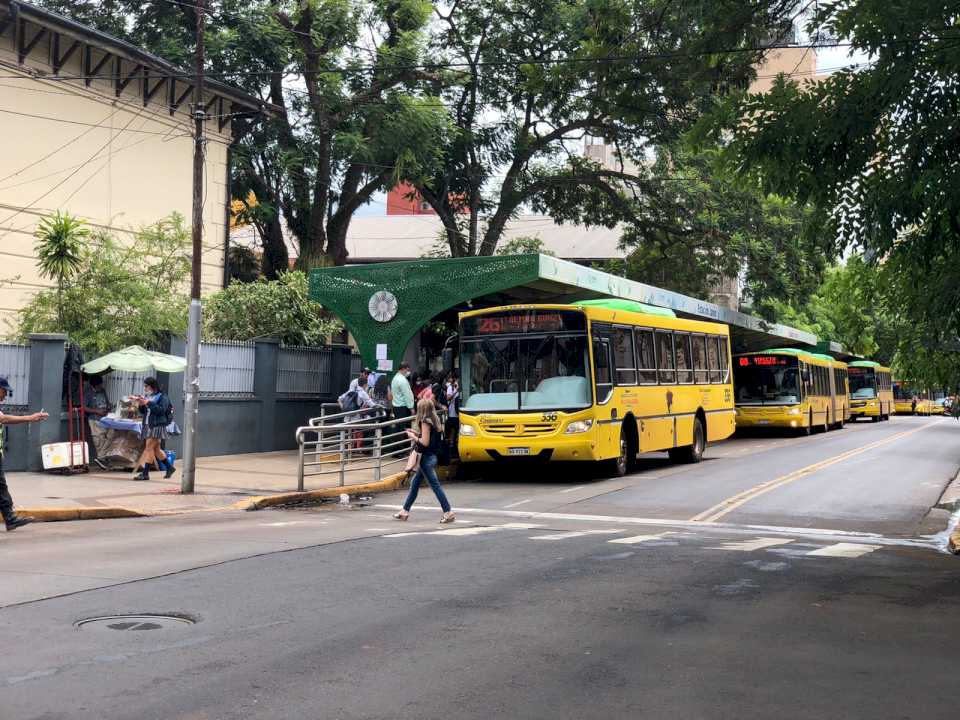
(809, 587)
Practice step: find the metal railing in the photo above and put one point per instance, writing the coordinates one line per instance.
(348, 442)
(15, 366)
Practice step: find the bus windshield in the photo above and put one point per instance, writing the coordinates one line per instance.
(534, 372)
(863, 383)
(903, 392)
(766, 380)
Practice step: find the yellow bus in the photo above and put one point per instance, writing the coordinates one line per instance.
(909, 400)
(871, 391)
(790, 388)
(595, 381)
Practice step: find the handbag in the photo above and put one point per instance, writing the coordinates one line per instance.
(413, 462)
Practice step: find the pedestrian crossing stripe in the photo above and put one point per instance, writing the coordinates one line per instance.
(635, 539)
(844, 550)
(751, 545)
(574, 534)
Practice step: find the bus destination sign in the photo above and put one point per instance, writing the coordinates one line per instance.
(764, 361)
(542, 321)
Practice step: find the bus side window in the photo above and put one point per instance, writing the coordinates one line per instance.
(624, 360)
(681, 342)
(665, 360)
(647, 357)
(724, 360)
(601, 369)
(700, 375)
(713, 359)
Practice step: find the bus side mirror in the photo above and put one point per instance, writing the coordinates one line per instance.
(805, 376)
(447, 361)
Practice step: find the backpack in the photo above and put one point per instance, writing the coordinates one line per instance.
(348, 401)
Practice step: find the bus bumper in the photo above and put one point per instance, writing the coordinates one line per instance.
(474, 449)
(790, 417)
(869, 408)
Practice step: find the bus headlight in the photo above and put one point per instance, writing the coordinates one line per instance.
(578, 426)
(793, 411)
(468, 430)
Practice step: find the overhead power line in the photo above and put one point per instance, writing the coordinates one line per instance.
(334, 70)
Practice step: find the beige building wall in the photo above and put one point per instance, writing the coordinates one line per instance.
(109, 160)
(798, 63)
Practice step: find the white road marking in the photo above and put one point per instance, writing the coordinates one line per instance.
(573, 489)
(751, 545)
(290, 522)
(844, 550)
(455, 532)
(518, 504)
(575, 534)
(638, 539)
(817, 533)
(520, 526)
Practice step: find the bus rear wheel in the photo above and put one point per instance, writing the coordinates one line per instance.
(692, 453)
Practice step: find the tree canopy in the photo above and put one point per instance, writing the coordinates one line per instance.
(121, 293)
(527, 84)
(278, 308)
(878, 145)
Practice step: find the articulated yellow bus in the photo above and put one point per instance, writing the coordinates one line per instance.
(596, 381)
(871, 391)
(789, 388)
(908, 400)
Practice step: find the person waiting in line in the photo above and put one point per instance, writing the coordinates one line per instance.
(403, 403)
(381, 394)
(10, 517)
(362, 380)
(157, 415)
(426, 435)
(452, 394)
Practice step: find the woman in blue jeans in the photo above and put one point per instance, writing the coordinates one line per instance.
(426, 433)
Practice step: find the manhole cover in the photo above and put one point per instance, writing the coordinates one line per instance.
(135, 623)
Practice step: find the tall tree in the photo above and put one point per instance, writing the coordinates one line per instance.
(344, 76)
(878, 145)
(528, 83)
(699, 226)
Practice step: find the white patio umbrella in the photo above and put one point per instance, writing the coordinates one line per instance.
(137, 360)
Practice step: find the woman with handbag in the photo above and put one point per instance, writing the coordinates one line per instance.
(426, 434)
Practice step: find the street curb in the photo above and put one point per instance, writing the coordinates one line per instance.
(80, 513)
(388, 484)
(953, 505)
(393, 482)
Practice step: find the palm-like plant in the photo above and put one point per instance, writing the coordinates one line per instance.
(60, 249)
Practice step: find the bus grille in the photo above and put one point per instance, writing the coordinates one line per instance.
(518, 430)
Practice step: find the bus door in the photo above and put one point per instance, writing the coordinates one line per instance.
(608, 422)
(834, 395)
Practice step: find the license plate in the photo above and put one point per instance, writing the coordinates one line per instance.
(518, 451)
(763, 422)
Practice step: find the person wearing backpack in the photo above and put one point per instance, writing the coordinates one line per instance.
(427, 434)
(157, 411)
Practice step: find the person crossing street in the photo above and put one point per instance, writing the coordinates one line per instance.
(10, 517)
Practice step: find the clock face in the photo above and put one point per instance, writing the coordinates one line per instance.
(382, 306)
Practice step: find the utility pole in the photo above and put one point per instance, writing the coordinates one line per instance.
(192, 378)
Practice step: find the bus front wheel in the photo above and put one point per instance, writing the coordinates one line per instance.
(692, 453)
(619, 465)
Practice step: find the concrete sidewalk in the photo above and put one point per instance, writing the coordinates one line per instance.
(224, 482)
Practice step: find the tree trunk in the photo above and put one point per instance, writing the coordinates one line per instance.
(275, 256)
